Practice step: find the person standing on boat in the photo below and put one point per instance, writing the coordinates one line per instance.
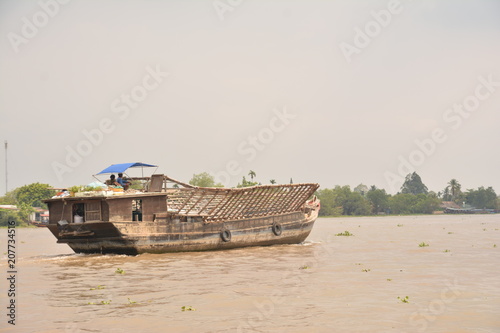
(124, 183)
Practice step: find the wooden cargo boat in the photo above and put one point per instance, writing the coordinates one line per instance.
(163, 218)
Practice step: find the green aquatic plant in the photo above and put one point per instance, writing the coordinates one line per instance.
(405, 299)
(305, 267)
(130, 301)
(98, 287)
(389, 279)
(188, 308)
(400, 225)
(446, 250)
(345, 233)
(366, 270)
(423, 244)
(100, 303)
(119, 271)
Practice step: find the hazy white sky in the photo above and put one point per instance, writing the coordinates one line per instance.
(333, 92)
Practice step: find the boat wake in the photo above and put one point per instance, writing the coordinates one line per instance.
(309, 243)
(71, 256)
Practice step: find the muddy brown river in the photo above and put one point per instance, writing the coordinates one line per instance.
(436, 273)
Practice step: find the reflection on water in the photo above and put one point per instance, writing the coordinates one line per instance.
(329, 283)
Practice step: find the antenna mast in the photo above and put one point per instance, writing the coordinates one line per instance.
(6, 186)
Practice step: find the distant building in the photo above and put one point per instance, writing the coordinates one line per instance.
(39, 215)
(11, 207)
(449, 204)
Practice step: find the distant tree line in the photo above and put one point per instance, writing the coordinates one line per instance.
(204, 179)
(413, 198)
(25, 198)
(480, 198)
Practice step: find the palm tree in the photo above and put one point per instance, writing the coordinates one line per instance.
(454, 186)
(272, 181)
(252, 174)
(446, 194)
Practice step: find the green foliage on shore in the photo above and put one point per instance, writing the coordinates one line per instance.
(33, 194)
(379, 200)
(20, 216)
(7, 215)
(204, 179)
(10, 198)
(453, 192)
(482, 198)
(413, 204)
(246, 183)
(25, 198)
(342, 201)
(413, 185)
(414, 198)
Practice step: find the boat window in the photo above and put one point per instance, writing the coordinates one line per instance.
(137, 210)
(86, 212)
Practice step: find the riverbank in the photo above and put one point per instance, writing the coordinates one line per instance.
(389, 215)
(24, 225)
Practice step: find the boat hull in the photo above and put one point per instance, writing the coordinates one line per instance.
(162, 237)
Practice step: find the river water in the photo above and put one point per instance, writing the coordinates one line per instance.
(328, 284)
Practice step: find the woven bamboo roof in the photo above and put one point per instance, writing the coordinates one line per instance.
(218, 204)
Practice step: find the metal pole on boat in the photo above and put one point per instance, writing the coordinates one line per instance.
(6, 186)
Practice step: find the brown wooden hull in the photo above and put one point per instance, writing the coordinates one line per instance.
(162, 237)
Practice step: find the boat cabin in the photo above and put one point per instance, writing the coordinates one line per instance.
(143, 207)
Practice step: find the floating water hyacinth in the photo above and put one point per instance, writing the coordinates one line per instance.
(345, 233)
(406, 299)
(98, 287)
